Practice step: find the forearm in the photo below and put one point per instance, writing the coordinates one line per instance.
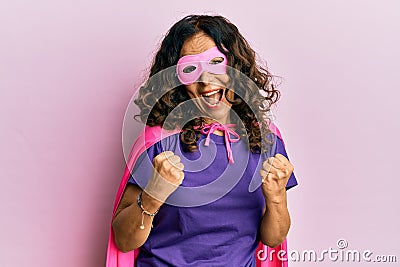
(126, 224)
(275, 223)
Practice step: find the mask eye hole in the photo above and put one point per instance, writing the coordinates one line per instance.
(189, 69)
(216, 60)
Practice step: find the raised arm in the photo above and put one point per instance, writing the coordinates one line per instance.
(276, 219)
(166, 176)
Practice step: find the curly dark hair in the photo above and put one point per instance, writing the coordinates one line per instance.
(253, 96)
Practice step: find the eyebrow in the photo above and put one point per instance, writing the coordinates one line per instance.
(188, 54)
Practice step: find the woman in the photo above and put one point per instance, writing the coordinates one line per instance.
(189, 196)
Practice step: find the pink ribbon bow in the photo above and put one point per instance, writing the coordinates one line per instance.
(210, 128)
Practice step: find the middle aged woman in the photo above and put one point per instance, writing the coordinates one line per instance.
(185, 198)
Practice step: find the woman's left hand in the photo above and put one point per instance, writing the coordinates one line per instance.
(275, 174)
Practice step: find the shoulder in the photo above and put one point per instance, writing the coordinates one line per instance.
(154, 134)
(156, 139)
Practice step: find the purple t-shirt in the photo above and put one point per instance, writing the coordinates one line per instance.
(213, 218)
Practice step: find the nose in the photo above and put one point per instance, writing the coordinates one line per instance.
(206, 78)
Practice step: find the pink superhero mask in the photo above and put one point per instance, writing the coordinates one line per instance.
(190, 67)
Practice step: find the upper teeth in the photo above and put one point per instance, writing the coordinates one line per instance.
(211, 93)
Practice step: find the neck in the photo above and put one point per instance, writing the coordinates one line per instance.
(210, 121)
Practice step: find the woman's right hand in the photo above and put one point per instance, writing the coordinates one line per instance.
(166, 176)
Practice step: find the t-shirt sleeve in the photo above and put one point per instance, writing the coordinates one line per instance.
(143, 166)
(280, 148)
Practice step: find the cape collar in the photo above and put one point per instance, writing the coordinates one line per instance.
(208, 129)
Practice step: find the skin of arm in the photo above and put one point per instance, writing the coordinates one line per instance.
(275, 223)
(128, 217)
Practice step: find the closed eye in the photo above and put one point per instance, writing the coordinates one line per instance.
(216, 60)
(189, 69)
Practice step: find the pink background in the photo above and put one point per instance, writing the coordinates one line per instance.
(68, 71)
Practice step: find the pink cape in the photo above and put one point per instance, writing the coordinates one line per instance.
(148, 137)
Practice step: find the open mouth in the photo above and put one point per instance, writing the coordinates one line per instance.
(212, 98)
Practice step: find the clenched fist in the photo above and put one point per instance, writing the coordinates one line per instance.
(275, 174)
(166, 176)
